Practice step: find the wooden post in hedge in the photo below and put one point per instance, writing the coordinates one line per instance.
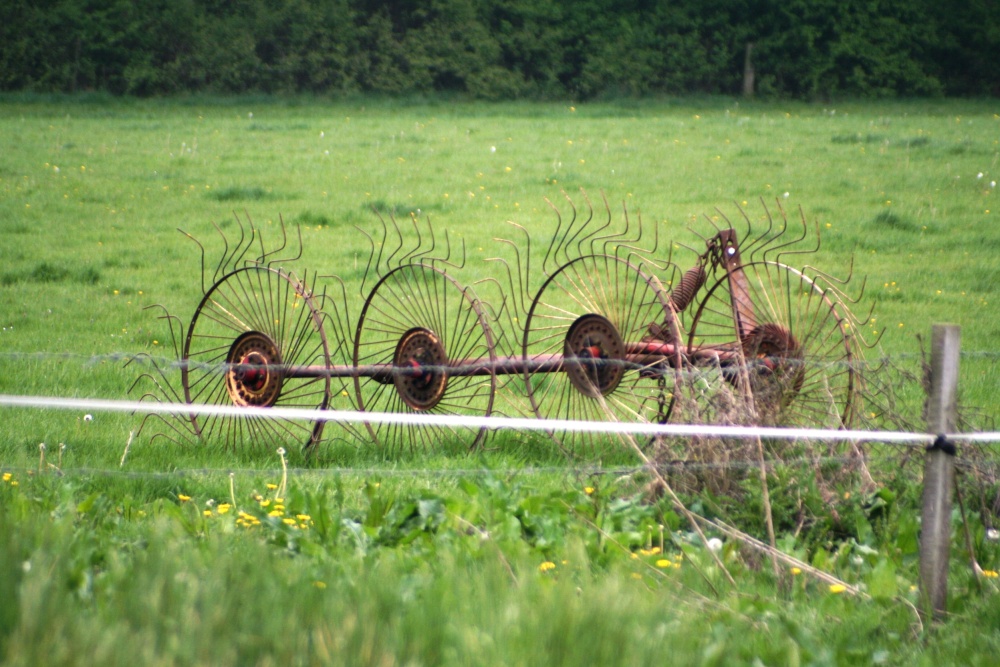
(939, 471)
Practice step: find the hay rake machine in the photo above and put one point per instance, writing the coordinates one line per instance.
(609, 330)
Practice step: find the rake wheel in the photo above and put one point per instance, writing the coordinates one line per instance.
(251, 325)
(433, 336)
(579, 337)
(794, 343)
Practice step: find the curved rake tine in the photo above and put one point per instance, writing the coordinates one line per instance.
(446, 260)
(623, 237)
(414, 252)
(781, 254)
(294, 258)
(580, 229)
(202, 249)
(371, 254)
(430, 251)
(399, 243)
(592, 235)
(240, 250)
(555, 235)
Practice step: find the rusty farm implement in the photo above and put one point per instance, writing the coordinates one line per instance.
(611, 329)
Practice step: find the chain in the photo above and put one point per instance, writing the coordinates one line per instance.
(661, 399)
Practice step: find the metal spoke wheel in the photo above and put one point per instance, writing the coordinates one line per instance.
(252, 326)
(777, 342)
(601, 343)
(430, 337)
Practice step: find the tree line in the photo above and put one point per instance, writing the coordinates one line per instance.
(503, 49)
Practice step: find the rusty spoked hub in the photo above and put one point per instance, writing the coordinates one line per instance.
(420, 362)
(594, 355)
(253, 378)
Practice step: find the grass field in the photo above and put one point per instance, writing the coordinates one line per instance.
(201, 555)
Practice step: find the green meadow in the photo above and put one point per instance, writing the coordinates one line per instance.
(128, 548)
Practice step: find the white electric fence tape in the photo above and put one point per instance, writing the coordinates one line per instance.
(493, 423)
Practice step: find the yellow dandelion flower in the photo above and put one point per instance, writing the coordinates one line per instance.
(992, 574)
(546, 566)
(271, 487)
(207, 512)
(588, 490)
(663, 562)
(796, 571)
(265, 503)
(224, 508)
(836, 589)
(275, 513)
(7, 476)
(181, 497)
(303, 517)
(288, 521)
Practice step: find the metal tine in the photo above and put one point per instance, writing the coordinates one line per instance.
(341, 317)
(234, 263)
(835, 283)
(556, 241)
(446, 260)
(371, 254)
(219, 268)
(224, 265)
(430, 230)
(747, 240)
(834, 279)
(764, 238)
(202, 248)
(166, 387)
(298, 254)
(264, 259)
(170, 423)
(413, 252)
(592, 235)
(522, 276)
(555, 235)
(646, 255)
(625, 241)
(780, 253)
(171, 320)
(389, 265)
(579, 230)
(495, 315)
(561, 243)
(712, 222)
(606, 239)
(164, 436)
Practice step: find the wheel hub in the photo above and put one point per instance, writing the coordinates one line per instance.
(420, 375)
(594, 352)
(253, 378)
(775, 365)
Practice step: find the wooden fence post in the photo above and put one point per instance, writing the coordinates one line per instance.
(939, 471)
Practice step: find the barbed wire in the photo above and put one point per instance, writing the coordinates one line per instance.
(172, 363)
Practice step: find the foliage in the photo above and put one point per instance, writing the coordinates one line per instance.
(499, 50)
(491, 571)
